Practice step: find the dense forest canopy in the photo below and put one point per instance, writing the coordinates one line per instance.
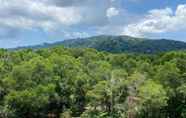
(63, 82)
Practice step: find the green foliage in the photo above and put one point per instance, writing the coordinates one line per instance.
(29, 102)
(86, 83)
(119, 44)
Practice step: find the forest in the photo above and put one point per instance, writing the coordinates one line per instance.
(64, 82)
(117, 44)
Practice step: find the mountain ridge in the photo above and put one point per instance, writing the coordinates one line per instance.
(118, 44)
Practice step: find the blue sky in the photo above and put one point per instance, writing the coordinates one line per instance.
(31, 22)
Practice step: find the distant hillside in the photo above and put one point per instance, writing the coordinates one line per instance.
(118, 44)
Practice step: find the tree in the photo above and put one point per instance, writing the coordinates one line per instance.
(152, 98)
(27, 103)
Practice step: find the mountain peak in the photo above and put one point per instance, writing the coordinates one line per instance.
(120, 44)
(124, 43)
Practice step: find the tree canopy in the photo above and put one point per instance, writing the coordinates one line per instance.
(64, 82)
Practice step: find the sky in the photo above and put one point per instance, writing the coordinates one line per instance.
(32, 22)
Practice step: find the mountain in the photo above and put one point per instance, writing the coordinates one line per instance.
(118, 44)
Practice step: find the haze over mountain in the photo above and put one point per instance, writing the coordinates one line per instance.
(119, 44)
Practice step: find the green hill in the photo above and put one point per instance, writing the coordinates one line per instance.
(118, 44)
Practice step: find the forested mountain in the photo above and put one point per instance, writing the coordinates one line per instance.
(64, 83)
(118, 44)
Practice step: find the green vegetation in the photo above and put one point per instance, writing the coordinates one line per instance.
(63, 83)
(120, 44)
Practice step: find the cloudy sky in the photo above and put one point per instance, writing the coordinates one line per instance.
(30, 22)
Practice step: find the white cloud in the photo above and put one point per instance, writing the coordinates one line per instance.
(71, 35)
(50, 15)
(112, 11)
(32, 13)
(158, 21)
